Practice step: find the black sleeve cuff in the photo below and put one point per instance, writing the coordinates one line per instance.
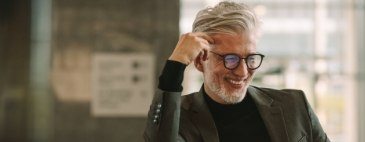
(172, 76)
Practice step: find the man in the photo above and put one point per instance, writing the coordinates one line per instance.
(227, 109)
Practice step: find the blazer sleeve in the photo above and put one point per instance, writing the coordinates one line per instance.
(164, 115)
(164, 118)
(318, 135)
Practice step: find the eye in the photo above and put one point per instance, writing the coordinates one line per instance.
(231, 58)
(251, 59)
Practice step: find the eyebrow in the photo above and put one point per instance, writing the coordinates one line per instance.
(230, 53)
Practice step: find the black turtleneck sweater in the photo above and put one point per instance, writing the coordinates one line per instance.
(238, 122)
(235, 123)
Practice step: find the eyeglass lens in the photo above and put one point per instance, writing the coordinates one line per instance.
(252, 61)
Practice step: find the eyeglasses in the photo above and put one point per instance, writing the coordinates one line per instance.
(232, 61)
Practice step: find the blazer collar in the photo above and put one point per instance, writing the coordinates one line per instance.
(203, 118)
(270, 112)
(259, 97)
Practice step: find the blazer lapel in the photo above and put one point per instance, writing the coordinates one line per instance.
(203, 119)
(271, 114)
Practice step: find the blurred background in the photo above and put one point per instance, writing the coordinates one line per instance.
(77, 70)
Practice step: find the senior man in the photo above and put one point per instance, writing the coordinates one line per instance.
(227, 108)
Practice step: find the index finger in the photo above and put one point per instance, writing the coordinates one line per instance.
(206, 37)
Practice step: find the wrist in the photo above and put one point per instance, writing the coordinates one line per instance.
(172, 76)
(178, 58)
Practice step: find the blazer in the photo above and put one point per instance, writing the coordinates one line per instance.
(287, 116)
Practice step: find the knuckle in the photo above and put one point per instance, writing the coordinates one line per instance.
(189, 34)
(195, 38)
(183, 35)
(201, 44)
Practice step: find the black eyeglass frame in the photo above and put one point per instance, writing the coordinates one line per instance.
(239, 61)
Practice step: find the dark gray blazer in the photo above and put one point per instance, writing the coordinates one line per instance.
(286, 113)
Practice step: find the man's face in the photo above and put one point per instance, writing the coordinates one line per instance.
(223, 85)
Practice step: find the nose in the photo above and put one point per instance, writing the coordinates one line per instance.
(241, 70)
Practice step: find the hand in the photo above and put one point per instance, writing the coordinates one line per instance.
(190, 46)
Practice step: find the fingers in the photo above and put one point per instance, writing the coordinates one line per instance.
(203, 38)
(207, 40)
(199, 35)
(206, 37)
(191, 46)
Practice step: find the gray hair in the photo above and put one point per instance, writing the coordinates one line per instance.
(227, 17)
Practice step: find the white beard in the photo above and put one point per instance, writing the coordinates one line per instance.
(228, 97)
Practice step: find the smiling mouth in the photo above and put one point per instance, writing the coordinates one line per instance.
(236, 83)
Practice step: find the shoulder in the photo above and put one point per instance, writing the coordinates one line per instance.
(291, 97)
(280, 93)
(293, 102)
(277, 91)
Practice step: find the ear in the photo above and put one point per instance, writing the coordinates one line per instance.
(198, 62)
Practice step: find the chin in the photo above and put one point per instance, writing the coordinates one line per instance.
(229, 93)
(232, 97)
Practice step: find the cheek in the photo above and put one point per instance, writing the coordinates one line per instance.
(214, 72)
(251, 73)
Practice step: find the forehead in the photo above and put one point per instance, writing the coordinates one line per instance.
(234, 43)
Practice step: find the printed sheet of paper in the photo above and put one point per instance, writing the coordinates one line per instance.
(122, 84)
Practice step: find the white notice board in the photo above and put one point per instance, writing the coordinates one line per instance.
(122, 84)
